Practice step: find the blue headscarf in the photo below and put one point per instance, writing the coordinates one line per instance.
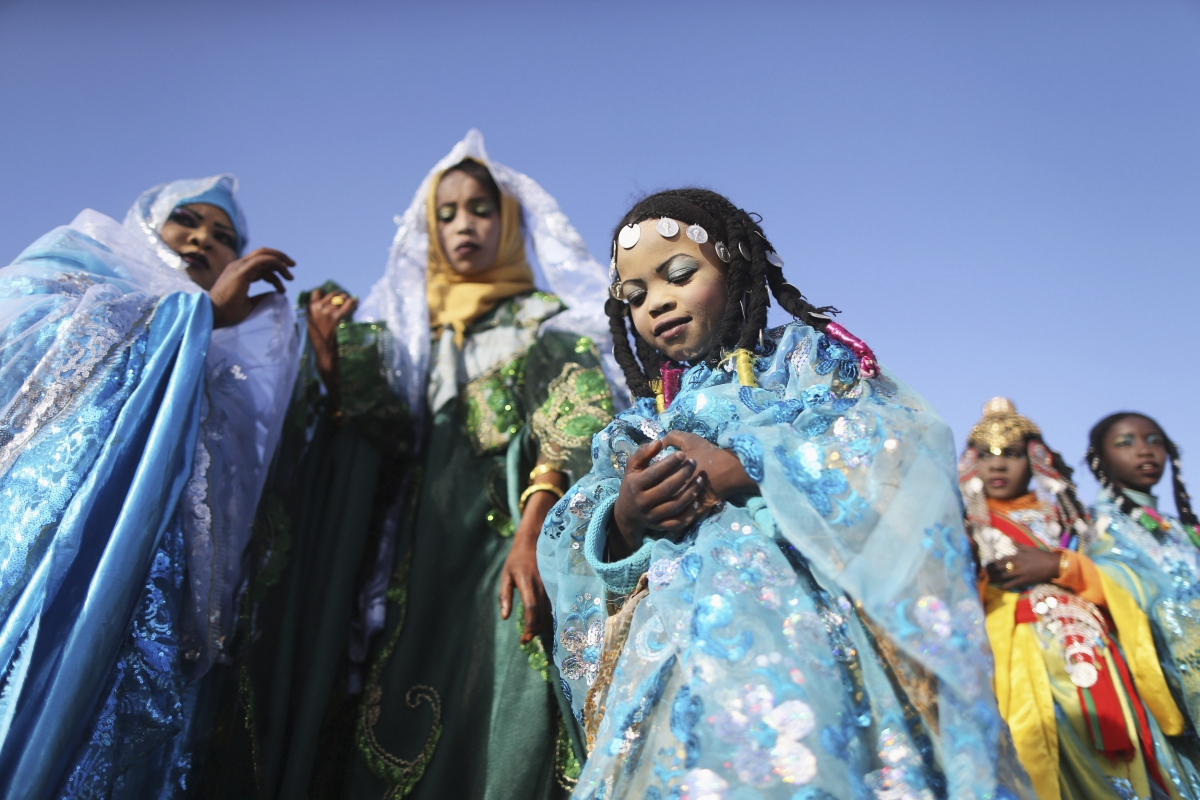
(155, 205)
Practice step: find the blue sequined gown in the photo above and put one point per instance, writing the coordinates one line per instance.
(821, 640)
(131, 439)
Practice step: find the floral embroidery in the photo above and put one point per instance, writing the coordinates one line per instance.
(836, 358)
(493, 415)
(749, 452)
(583, 638)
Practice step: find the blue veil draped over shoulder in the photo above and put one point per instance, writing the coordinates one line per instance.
(134, 441)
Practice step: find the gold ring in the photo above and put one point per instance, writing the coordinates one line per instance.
(338, 300)
(1008, 566)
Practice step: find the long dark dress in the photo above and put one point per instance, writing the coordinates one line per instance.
(281, 715)
(454, 706)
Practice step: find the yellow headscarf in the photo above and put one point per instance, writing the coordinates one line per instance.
(458, 300)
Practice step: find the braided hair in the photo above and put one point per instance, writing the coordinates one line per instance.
(1095, 460)
(751, 280)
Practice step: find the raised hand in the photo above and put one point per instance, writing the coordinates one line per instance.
(230, 295)
(325, 312)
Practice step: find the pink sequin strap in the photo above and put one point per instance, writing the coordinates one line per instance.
(866, 357)
(672, 378)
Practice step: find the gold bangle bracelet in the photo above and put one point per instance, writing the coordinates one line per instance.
(534, 489)
(542, 469)
(1064, 563)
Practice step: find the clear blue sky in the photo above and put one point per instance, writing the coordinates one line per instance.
(1002, 197)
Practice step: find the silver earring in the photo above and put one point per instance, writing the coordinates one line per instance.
(667, 227)
(629, 236)
(697, 234)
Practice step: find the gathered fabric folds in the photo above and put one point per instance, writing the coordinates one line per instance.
(821, 640)
(110, 380)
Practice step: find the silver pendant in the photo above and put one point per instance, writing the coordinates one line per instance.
(774, 260)
(697, 234)
(629, 236)
(723, 252)
(744, 250)
(667, 227)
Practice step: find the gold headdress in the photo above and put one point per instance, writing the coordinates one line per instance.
(1001, 427)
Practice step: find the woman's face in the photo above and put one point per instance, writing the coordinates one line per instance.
(1134, 453)
(468, 224)
(677, 291)
(204, 237)
(1005, 475)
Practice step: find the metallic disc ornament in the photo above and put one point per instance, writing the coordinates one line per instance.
(1083, 674)
(697, 234)
(744, 249)
(667, 227)
(629, 236)
(774, 260)
(723, 252)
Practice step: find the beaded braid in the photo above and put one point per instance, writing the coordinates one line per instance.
(1070, 507)
(751, 280)
(1183, 501)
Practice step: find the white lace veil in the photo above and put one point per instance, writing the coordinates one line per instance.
(154, 205)
(398, 298)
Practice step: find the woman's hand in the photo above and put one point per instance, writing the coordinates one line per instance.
(722, 470)
(1030, 566)
(666, 496)
(230, 295)
(325, 312)
(521, 569)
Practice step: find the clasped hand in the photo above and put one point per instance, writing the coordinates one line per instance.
(1030, 566)
(673, 493)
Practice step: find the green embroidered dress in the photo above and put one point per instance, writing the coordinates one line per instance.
(453, 705)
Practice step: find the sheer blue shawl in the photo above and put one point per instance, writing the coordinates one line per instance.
(822, 640)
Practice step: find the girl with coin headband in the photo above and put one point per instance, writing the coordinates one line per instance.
(763, 587)
(507, 387)
(1155, 556)
(1089, 717)
(143, 389)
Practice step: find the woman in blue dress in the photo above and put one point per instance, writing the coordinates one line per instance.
(142, 388)
(1154, 555)
(763, 588)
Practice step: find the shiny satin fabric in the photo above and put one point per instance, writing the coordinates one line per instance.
(110, 379)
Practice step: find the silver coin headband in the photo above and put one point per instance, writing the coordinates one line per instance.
(668, 228)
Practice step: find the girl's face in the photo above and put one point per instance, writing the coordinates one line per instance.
(204, 237)
(1005, 474)
(468, 224)
(676, 289)
(1134, 453)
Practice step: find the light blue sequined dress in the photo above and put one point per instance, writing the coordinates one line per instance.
(1161, 570)
(133, 439)
(822, 640)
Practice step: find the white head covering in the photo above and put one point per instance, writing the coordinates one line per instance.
(398, 298)
(152, 208)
